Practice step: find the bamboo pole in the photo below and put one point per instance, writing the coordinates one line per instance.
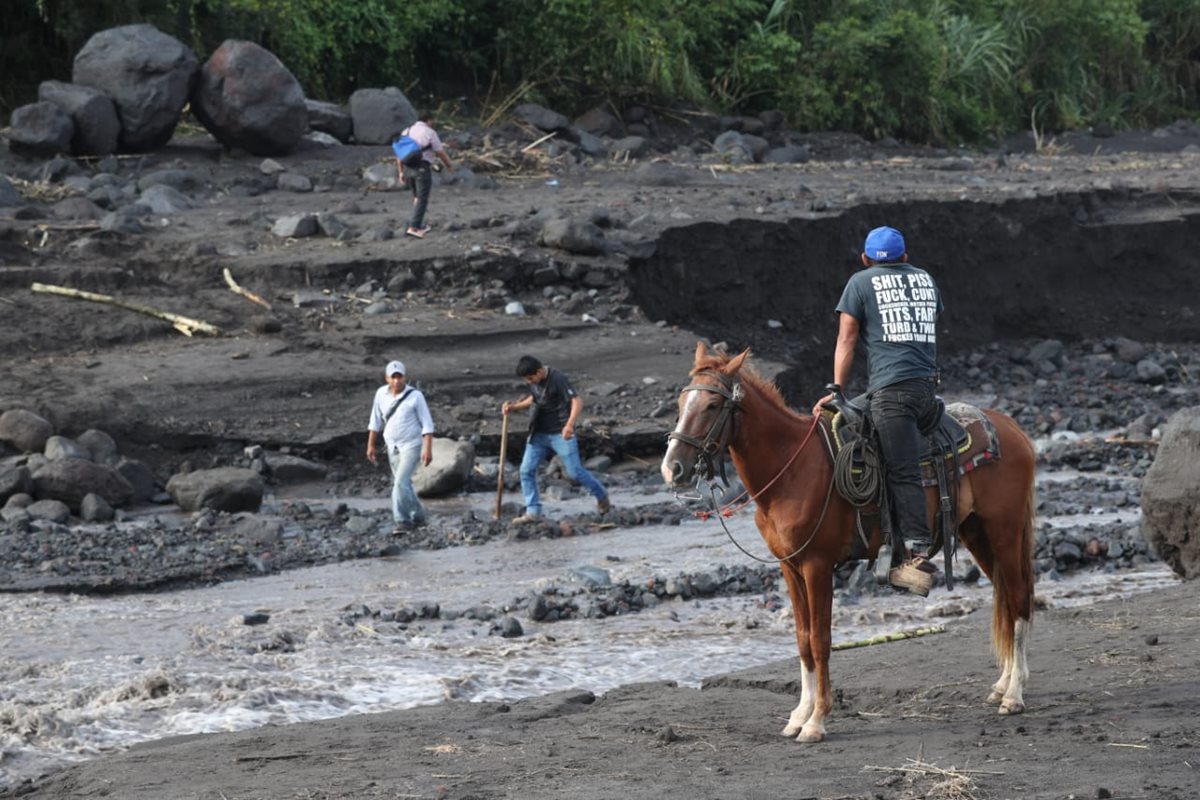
(246, 293)
(185, 325)
(891, 637)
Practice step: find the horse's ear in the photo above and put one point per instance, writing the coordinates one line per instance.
(701, 352)
(736, 362)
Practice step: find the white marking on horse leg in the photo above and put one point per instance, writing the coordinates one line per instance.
(803, 709)
(1014, 699)
(1001, 685)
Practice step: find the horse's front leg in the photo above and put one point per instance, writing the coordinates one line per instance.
(818, 584)
(799, 598)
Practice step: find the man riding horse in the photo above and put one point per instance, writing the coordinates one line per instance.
(893, 307)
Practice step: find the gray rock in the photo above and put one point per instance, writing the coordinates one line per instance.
(51, 510)
(788, 154)
(379, 115)
(1151, 372)
(140, 477)
(1171, 495)
(448, 471)
(629, 147)
(381, 176)
(287, 468)
(182, 180)
(40, 129)
(541, 118)
(291, 182)
(99, 445)
(734, 148)
(121, 221)
(573, 235)
(95, 509)
(60, 447)
(329, 118)
(599, 122)
(9, 196)
(72, 479)
(164, 201)
(97, 128)
(148, 75)
(295, 226)
(15, 479)
(221, 489)
(76, 208)
(25, 430)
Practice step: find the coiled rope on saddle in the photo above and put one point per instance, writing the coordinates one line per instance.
(860, 487)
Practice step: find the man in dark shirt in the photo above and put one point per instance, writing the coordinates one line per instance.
(556, 408)
(894, 306)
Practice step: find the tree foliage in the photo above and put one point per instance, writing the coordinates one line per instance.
(923, 70)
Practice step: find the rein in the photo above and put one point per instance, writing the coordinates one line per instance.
(716, 440)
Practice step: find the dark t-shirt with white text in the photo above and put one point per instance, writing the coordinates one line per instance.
(551, 402)
(897, 306)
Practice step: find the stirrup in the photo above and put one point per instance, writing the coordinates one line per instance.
(883, 564)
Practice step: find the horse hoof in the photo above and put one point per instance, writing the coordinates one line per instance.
(811, 738)
(1009, 708)
(790, 731)
(994, 698)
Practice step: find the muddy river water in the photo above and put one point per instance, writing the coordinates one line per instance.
(82, 675)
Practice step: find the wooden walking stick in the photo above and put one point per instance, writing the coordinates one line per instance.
(503, 456)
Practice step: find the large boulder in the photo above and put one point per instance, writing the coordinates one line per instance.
(97, 128)
(247, 98)
(222, 489)
(25, 430)
(448, 471)
(40, 129)
(149, 76)
(380, 115)
(1171, 495)
(72, 479)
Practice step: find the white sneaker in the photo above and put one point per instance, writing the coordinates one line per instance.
(527, 519)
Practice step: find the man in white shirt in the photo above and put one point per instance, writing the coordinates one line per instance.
(400, 413)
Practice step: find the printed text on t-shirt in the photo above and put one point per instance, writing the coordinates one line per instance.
(907, 307)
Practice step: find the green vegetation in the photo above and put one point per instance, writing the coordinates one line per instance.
(923, 70)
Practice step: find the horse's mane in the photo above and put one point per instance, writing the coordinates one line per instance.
(748, 374)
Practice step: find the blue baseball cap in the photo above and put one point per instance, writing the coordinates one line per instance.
(884, 244)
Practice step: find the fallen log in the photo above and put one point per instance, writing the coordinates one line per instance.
(185, 325)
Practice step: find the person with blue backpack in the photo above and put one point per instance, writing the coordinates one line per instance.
(415, 150)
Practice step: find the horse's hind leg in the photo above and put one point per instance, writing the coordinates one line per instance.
(1009, 635)
(1013, 700)
(799, 598)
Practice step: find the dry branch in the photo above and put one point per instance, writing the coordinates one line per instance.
(891, 637)
(185, 325)
(246, 293)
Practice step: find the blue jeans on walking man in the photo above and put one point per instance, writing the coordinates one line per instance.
(539, 448)
(406, 508)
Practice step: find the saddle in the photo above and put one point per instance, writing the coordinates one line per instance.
(961, 440)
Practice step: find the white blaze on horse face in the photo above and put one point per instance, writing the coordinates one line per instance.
(689, 407)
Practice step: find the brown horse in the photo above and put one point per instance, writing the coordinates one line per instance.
(788, 472)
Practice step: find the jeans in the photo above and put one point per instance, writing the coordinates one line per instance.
(900, 412)
(405, 505)
(539, 448)
(420, 178)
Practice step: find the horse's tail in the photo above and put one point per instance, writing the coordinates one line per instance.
(1007, 607)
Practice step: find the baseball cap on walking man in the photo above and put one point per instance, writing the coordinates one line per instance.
(884, 244)
(394, 367)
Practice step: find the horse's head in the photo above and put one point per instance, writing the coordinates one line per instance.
(706, 418)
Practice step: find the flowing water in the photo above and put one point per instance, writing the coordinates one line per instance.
(82, 675)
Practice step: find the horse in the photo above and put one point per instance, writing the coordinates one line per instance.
(808, 527)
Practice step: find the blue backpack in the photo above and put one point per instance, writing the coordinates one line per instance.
(407, 151)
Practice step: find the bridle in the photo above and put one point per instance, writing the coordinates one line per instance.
(721, 431)
(717, 439)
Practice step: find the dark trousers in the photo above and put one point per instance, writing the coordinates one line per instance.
(420, 178)
(900, 412)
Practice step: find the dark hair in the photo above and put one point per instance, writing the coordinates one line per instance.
(527, 366)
